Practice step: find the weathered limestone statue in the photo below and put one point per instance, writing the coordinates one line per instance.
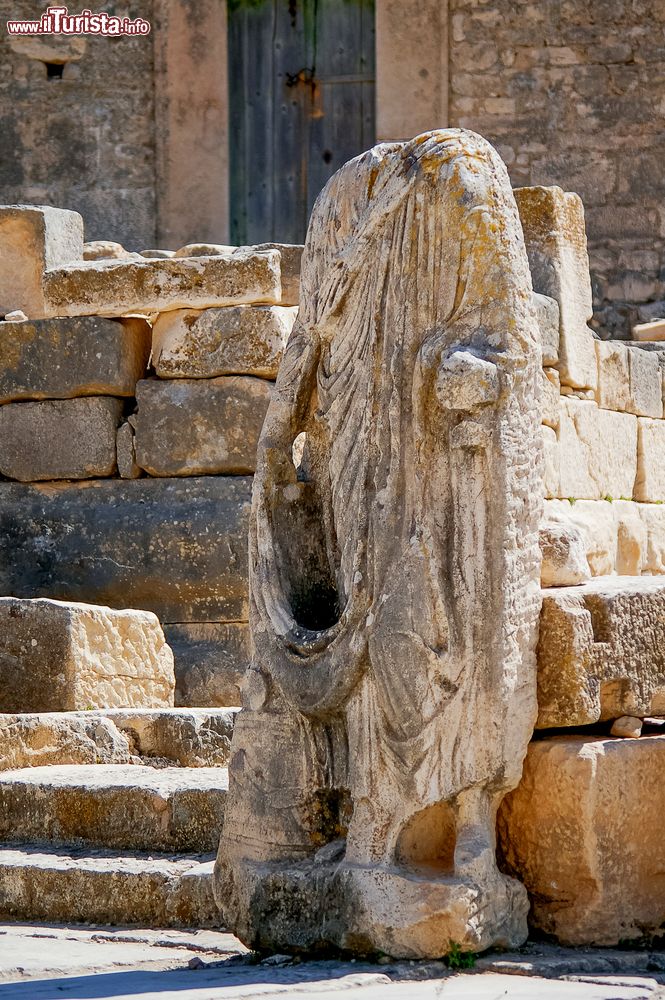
(394, 571)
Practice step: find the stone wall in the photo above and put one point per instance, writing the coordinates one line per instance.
(131, 402)
(574, 94)
(82, 137)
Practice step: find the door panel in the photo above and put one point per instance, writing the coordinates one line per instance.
(301, 91)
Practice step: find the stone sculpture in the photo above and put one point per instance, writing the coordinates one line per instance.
(394, 571)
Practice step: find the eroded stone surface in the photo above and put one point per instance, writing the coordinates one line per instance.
(555, 237)
(33, 238)
(177, 547)
(563, 550)
(58, 657)
(375, 685)
(121, 287)
(597, 451)
(210, 661)
(28, 740)
(584, 832)
(130, 807)
(193, 427)
(547, 312)
(59, 439)
(61, 359)
(600, 651)
(240, 340)
(650, 481)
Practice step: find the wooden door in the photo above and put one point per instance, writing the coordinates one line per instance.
(301, 93)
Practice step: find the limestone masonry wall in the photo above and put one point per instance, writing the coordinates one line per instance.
(131, 402)
(574, 94)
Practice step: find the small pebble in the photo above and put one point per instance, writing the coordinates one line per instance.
(627, 726)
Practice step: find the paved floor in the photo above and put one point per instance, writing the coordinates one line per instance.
(42, 962)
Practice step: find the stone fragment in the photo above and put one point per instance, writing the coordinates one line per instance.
(627, 727)
(189, 737)
(383, 717)
(551, 466)
(650, 480)
(191, 427)
(15, 317)
(547, 313)
(655, 330)
(157, 254)
(600, 651)
(29, 740)
(126, 453)
(646, 384)
(177, 547)
(584, 831)
(550, 397)
(121, 287)
(240, 340)
(596, 520)
(211, 659)
(57, 657)
(59, 439)
(598, 451)
(613, 392)
(31, 240)
(564, 561)
(64, 358)
(290, 263)
(129, 807)
(56, 48)
(653, 519)
(105, 250)
(553, 225)
(629, 379)
(205, 250)
(632, 539)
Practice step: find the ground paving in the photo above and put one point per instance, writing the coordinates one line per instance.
(44, 962)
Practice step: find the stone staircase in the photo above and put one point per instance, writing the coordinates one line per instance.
(130, 841)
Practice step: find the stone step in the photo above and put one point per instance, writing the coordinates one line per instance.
(104, 887)
(188, 737)
(131, 807)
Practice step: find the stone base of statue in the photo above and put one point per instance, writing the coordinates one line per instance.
(320, 906)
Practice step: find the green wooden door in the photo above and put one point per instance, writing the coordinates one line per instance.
(301, 93)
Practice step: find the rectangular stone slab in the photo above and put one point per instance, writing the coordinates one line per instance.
(597, 451)
(191, 427)
(106, 887)
(114, 805)
(177, 547)
(555, 238)
(600, 651)
(584, 832)
(64, 358)
(60, 657)
(33, 238)
(237, 340)
(121, 287)
(210, 661)
(189, 737)
(59, 439)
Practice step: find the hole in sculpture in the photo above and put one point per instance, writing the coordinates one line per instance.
(314, 603)
(427, 841)
(54, 71)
